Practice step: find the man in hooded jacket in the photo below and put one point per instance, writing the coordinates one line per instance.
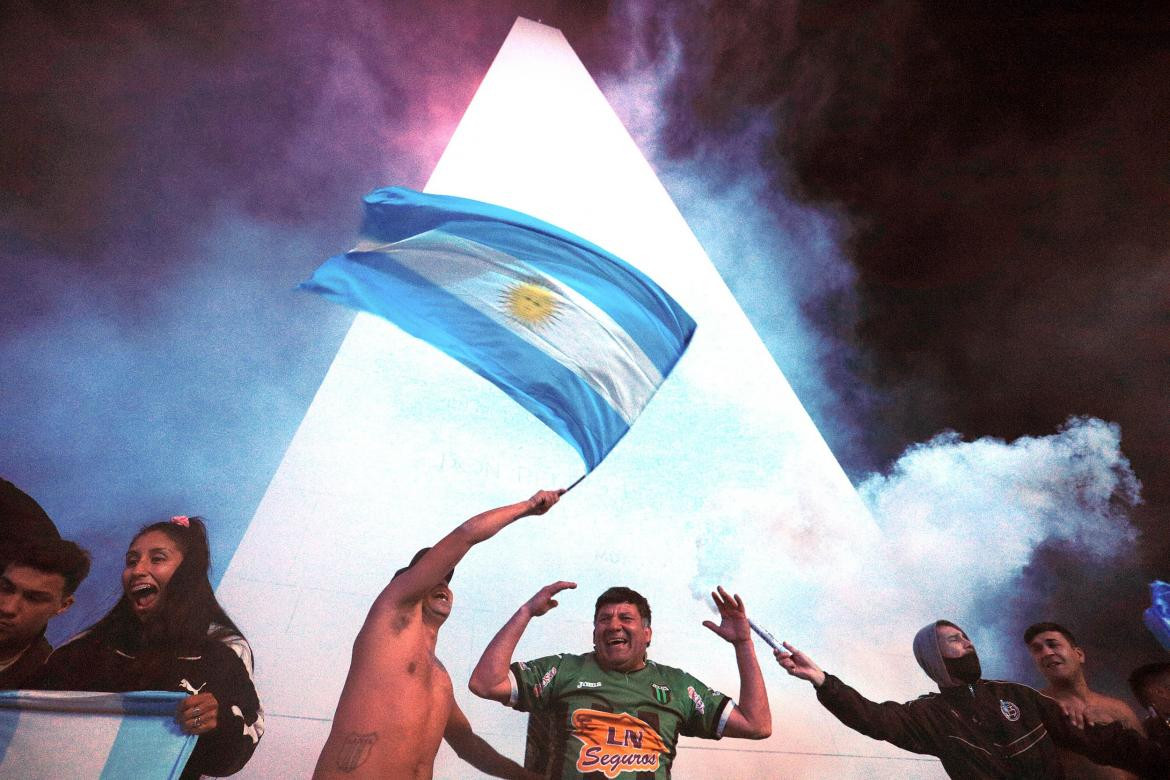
(978, 728)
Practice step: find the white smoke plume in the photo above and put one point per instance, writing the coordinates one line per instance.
(960, 523)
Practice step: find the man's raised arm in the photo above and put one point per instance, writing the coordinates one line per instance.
(752, 716)
(416, 581)
(490, 679)
(889, 721)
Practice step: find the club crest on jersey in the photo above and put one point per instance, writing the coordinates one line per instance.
(661, 693)
(697, 699)
(615, 742)
(1009, 710)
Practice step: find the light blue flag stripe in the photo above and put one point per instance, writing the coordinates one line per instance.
(643, 309)
(374, 282)
(155, 737)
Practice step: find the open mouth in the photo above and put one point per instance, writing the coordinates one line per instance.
(617, 641)
(441, 598)
(143, 595)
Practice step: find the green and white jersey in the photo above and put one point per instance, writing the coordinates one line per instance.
(606, 724)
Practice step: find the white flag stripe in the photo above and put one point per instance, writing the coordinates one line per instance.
(43, 747)
(436, 240)
(519, 270)
(579, 335)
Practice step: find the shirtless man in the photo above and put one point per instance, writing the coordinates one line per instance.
(1057, 657)
(397, 703)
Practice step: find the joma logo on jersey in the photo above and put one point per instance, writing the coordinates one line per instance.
(615, 742)
(587, 684)
(661, 693)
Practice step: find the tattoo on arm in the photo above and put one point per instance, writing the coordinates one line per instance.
(354, 750)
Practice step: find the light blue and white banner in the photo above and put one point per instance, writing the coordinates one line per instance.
(67, 735)
(572, 333)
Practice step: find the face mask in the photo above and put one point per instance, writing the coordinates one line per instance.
(965, 668)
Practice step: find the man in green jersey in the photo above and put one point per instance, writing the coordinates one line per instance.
(614, 711)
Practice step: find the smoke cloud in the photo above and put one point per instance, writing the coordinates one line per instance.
(964, 523)
(967, 531)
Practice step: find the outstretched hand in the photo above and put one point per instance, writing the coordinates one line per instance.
(542, 501)
(543, 601)
(733, 626)
(799, 665)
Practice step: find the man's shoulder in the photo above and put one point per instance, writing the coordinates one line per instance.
(1115, 707)
(40, 649)
(566, 664)
(27, 665)
(674, 673)
(666, 669)
(1016, 694)
(390, 623)
(1012, 686)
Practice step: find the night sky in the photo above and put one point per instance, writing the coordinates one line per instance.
(983, 195)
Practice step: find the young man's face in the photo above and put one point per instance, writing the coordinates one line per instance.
(619, 637)
(1055, 656)
(28, 599)
(952, 642)
(1158, 695)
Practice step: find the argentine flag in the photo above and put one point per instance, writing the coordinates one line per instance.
(53, 735)
(573, 334)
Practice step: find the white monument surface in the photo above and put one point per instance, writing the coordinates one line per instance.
(724, 479)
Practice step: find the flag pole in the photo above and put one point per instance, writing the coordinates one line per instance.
(576, 482)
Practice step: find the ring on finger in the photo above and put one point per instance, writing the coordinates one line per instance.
(198, 722)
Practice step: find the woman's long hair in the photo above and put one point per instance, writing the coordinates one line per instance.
(189, 607)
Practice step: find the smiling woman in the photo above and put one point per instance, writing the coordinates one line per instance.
(168, 632)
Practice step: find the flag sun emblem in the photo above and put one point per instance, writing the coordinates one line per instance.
(531, 303)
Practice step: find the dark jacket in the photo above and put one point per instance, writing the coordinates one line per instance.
(26, 668)
(1158, 729)
(223, 667)
(991, 729)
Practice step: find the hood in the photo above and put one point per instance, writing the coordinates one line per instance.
(927, 654)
